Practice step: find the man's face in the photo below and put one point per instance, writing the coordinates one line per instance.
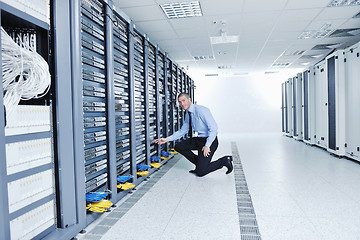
(184, 102)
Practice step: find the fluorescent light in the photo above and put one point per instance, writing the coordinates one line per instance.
(182, 9)
(225, 67)
(224, 39)
(324, 31)
(203, 58)
(280, 65)
(342, 3)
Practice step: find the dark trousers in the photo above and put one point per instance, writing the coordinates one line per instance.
(203, 164)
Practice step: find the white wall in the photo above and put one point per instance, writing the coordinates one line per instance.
(250, 104)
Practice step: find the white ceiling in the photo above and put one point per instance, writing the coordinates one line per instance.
(268, 32)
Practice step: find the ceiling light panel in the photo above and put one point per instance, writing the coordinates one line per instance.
(224, 39)
(323, 32)
(343, 3)
(182, 9)
(203, 58)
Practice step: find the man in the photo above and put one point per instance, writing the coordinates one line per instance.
(206, 143)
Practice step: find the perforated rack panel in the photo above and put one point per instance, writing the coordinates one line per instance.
(121, 92)
(139, 94)
(94, 94)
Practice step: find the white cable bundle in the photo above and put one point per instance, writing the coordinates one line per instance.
(25, 74)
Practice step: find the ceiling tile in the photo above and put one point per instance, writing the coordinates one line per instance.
(154, 26)
(296, 4)
(133, 3)
(299, 15)
(351, 23)
(335, 24)
(338, 12)
(145, 13)
(291, 26)
(256, 6)
(214, 7)
(160, 36)
(185, 23)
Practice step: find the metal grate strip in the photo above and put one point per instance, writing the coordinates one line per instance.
(247, 218)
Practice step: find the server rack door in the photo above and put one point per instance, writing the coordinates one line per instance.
(286, 108)
(306, 104)
(331, 103)
(282, 108)
(352, 99)
(294, 106)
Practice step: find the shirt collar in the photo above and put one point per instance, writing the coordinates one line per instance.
(192, 108)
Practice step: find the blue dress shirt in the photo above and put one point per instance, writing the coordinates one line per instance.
(201, 121)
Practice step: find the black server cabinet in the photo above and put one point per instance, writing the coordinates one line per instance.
(162, 103)
(139, 94)
(152, 93)
(121, 95)
(94, 81)
(331, 103)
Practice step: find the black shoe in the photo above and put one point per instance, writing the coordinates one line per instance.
(228, 164)
(192, 171)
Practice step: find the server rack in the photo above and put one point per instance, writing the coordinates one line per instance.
(352, 100)
(153, 101)
(139, 87)
(28, 202)
(321, 135)
(309, 113)
(121, 95)
(297, 99)
(170, 99)
(95, 94)
(283, 109)
(336, 103)
(163, 99)
(289, 97)
(173, 101)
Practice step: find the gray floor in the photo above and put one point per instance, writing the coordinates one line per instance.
(298, 192)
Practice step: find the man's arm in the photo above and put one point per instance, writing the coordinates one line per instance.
(178, 134)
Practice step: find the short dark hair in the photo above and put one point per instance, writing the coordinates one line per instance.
(183, 94)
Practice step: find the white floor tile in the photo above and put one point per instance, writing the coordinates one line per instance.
(298, 192)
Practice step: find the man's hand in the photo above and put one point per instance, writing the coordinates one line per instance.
(206, 151)
(161, 140)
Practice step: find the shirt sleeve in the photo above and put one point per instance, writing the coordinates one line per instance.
(212, 126)
(182, 131)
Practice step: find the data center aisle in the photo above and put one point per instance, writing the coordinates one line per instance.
(181, 206)
(298, 192)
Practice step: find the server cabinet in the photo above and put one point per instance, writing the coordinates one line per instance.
(336, 103)
(321, 104)
(162, 103)
(153, 93)
(139, 95)
(309, 113)
(121, 86)
(170, 98)
(297, 102)
(290, 114)
(283, 110)
(352, 101)
(28, 154)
